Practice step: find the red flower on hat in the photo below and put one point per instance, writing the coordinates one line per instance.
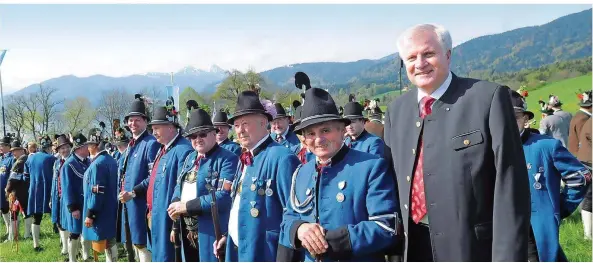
(580, 96)
(524, 94)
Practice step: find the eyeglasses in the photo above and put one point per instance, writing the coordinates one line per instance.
(196, 135)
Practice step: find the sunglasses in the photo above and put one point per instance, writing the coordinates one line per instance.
(196, 135)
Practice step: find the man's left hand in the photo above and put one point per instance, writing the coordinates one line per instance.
(177, 209)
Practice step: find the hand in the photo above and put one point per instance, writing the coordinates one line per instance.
(76, 214)
(172, 236)
(177, 209)
(125, 197)
(88, 222)
(219, 246)
(312, 237)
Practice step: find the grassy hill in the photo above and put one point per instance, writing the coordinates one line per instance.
(566, 90)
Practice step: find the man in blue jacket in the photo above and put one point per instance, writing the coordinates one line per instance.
(209, 168)
(63, 147)
(39, 169)
(100, 197)
(158, 188)
(72, 196)
(357, 137)
(261, 186)
(548, 164)
(135, 168)
(220, 121)
(280, 129)
(342, 205)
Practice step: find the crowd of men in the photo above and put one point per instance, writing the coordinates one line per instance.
(324, 183)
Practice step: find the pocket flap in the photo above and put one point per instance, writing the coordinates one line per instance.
(468, 139)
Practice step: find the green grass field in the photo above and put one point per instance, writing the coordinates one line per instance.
(571, 238)
(50, 242)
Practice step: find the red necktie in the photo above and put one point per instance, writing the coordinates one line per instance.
(197, 162)
(303, 155)
(246, 159)
(59, 178)
(155, 168)
(319, 166)
(352, 140)
(418, 198)
(132, 142)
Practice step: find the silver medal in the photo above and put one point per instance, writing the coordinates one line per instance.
(537, 185)
(342, 185)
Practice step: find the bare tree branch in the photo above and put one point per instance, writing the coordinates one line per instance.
(114, 104)
(15, 115)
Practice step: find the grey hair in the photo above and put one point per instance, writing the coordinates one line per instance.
(443, 36)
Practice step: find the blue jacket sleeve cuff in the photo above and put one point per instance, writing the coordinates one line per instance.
(293, 233)
(339, 244)
(194, 207)
(73, 207)
(140, 190)
(91, 214)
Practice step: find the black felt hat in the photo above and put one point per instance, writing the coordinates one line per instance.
(61, 141)
(280, 111)
(353, 111)
(79, 140)
(318, 107)
(6, 140)
(45, 141)
(162, 115)
(248, 103)
(221, 118)
(519, 103)
(138, 108)
(16, 145)
(199, 121)
(94, 136)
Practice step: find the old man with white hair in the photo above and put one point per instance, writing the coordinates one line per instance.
(456, 150)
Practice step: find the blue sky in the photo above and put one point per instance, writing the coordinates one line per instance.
(47, 41)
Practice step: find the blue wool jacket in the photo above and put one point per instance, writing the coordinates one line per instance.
(39, 169)
(100, 197)
(549, 163)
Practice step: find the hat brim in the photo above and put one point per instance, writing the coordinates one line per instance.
(80, 146)
(280, 116)
(355, 117)
(585, 104)
(16, 148)
(161, 122)
(132, 114)
(529, 114)
(60, 146)
(222, 124)
(316, 120)
(121, 143)
(247, 112)
(199, 129)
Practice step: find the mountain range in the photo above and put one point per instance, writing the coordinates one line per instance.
(568, 37)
